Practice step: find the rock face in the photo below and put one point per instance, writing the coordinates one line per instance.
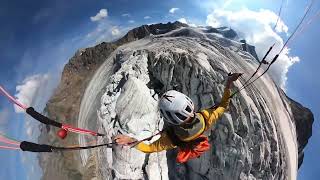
(118, 85)
(303, 119)
(250, 49)
(64, 105)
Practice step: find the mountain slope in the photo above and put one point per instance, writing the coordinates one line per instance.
(119, 83)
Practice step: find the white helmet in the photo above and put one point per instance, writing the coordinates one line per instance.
(176, 107)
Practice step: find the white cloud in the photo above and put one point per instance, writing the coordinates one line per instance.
(32, 90)
(35, 91)
(257, 28)
(212, 20)
(100, 15)
(126, 15)
(183, 20)
(115, 31)
(227, 3)
(29, 128)
(147, 17)
(131, 21)
(173, 10)
(104, 31)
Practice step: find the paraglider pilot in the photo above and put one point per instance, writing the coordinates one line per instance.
(185, 127)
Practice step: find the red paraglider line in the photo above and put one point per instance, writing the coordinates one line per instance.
(7, 141)
(283, 47)
(46, 120)
(4, 92)
(8, 147)
(78, 130)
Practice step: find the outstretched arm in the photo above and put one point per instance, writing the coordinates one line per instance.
(163, 143)
(211, 115)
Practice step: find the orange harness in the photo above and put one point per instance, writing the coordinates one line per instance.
(193, 149)
(189, 149)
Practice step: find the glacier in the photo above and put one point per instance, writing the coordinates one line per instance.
(255, 139)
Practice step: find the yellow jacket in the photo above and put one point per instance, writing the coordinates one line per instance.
(210, 116)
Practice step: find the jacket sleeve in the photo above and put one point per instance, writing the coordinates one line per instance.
(163, 143)
(212, 115)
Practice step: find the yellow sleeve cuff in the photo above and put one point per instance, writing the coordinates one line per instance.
(163, 143)
(143, 147)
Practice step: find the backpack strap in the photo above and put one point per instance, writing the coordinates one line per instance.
(177, 141)
(174, 138)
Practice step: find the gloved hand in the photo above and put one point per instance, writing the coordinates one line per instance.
(232, 77)
(124, 140)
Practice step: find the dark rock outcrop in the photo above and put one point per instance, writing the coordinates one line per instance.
(303, 119)
(146, 30)
(225, 31)
(250, 49)
(228, 32)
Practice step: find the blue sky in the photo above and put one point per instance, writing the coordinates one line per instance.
(38, 37)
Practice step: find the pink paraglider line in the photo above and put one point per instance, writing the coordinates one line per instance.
(7, 141)
(78, 130)
(8, 147)
(64, 126)
(4, 92)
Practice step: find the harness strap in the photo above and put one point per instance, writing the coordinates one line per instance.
(183, 143)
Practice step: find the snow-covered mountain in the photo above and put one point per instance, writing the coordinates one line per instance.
(114, 87)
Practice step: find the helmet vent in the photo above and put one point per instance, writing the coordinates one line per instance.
(167, 97)
(161, 112)
(169, 115)
(180, 116)
(188, 109)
